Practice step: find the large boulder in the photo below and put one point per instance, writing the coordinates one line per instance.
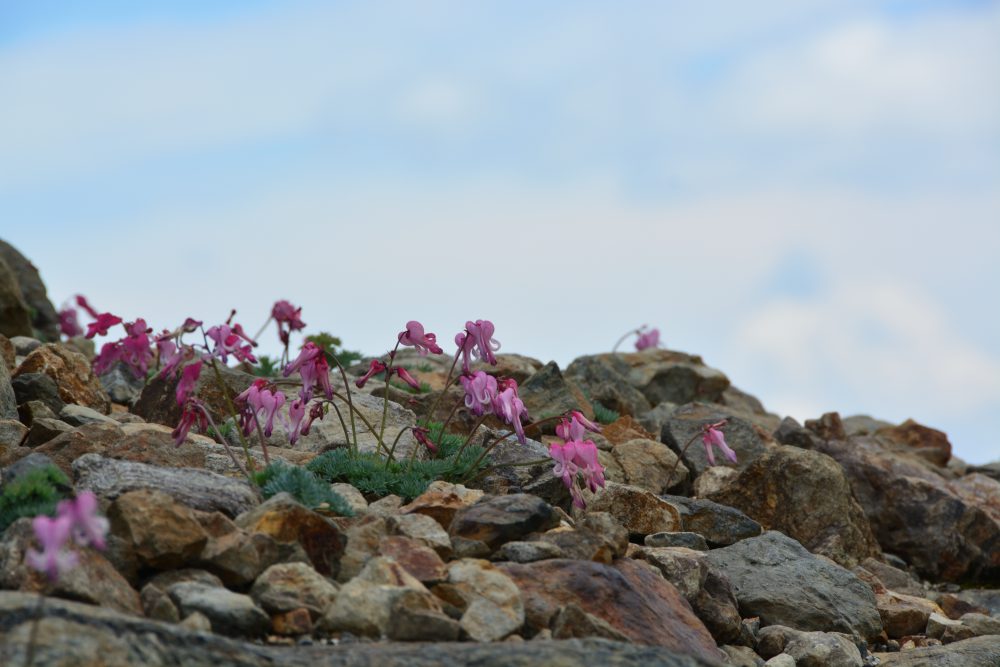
(685, 426)
(43, 316)
(72, 374)
(776, 578)
(15, 317)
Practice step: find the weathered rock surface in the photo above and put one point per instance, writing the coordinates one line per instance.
(8, 400)
(686, 423)
(498, 519)
(719, 524)
(647, 464)
(15, 318)
(492, 606)
(776, 578)
(72, 374)
(638, 510)
(806, 496)
(548, 394)
(604, 378)
(809, 649)
(230, 613)
(597, 536)
(288, 586)
(42, 314)
(975, 652)
(163, 533)
(441, 501)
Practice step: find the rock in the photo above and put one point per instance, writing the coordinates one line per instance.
(43, 430)
(495, 520)
(809, 649)
(792, 433)
(523, 468)
(893, 578)
(230, 613)
(158, 403)
(72, 374)
(196, 621)
(286, 587)
(12, 434)
(572, 621)
(363, 539)
(423, 529)
(597, 536)
(714, 480)
(630, 596)
(684, 568)
(292, 623)
(529, 552)
(927, 443)
(92, 580)
(649, 465)
(781, 660)
(604, 378)
(719, 524)
(354, 498)
(418, 559)
(686, 423)
(15, 318)
(638, 510)
(121, 384)
(948, 530)
(975, 652)
(654, 419)
(548, 394)
(776, 578)
(37, 387)
(904, 615)
(285, 520)
(44, 319)
(163, 533)
(73, 634)
(687, 540)
(22, 466)
(385, 507)
(235, 556)
(516, 366)
(7, 354)
(8, 399)
(742, 656)
(442, 500)
(78, 415)
(157, 605)
(955, 607)
(491, 603)
(805, 495)
(198, 489)
(981, 624)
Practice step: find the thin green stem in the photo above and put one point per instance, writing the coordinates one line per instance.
(343, 425)
(680, 456)
(347, 388)
(263, 443)
(468, 439)
(622, 339)
(447, 383)
(232, 412)
(229, 450)
(385, 396)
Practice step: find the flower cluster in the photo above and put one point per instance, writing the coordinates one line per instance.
(647, 339)
(575, 458)
(485, 395)
(76, 519)
(288, 318)
(712, 436)
(376, 367)
(477, 342)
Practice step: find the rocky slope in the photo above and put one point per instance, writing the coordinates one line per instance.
(843, 541)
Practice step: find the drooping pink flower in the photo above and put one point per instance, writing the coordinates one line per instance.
(313, 368)
(317, 411)
(296, 411)
(83, 303)
(229, 340)
(576, 426)
(194, 413)
(508, 406)
(414, 336)
(136, 350)
(566, 468)
(713, 436)
(477, 342)
(259, 401)
(169, 354)
(104, 322)
(69, 322)
(285, 313)
(53, 534)
(405, 376)
(109, 355)
(647, 339)
(374, 368)
(423, 437)
(480, 392)
(88, 527)
(190, 325)
(590, 468)
(186, 385)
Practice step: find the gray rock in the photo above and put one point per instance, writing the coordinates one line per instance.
(37, 387)
(790, 432)
(287, 586)
(981, 624)
(654, 419)
(43, 429)
(122, 385)
(43, 316)
(781, 660)
(742, 656)
(686, 423)
(976, 652)
(529, 552)
(22, 466)
(719, 524)
(25, 345)
(12, 433)
(15, 318)
(78, 415)
(776, 578)
(73, 634)
(548, 394)
(498, 519)
(198, 489)
(604, 378)
(230, 613)
(510, 474)
(809, 649)
(681, 539)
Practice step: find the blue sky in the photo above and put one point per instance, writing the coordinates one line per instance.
(804, 193)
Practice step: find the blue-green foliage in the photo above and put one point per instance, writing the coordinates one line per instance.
(36, 492)
(303, 485)
(604, 415)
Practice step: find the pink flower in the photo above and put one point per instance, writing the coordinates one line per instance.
(374, 368)
(169, 354)
(315, 412)
(82, 302)
(259, 401)
(190, 325)
(53, 534)
(69, 322)
(89, 528)
(104, 322)
(414, 336)
(405, 376)
(193, 414)
(566, 468)
(136, 350)
(590, 468)
(228, 340)
(296, 411)
(109, 355)
(284, 312)
(186, 385)
(313, 368)
(510, 407)
(423, 437)
(576, 426)
(713, 436)
(477, 342)
(647, 339)
(480, 392)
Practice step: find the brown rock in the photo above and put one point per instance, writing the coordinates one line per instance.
(904, 615)
(597, 536)
(648, 464)
(626, 428)
(6, 352)
(286, 587)
(363, 538)
(572, 622)
(630, 596)
(492, 607)
(442, 500)
(638, 510)
(72, 374)
(498, 519)
(163, 533)
(925, 442)
(418, 559)
(15, 319)
(292, 623)
(805, 495)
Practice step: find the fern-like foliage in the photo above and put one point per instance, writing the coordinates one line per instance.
(36, 492)
(304, 486)
(604, 415)
(267, 366)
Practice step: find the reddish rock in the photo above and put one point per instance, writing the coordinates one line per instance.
(629, 596)
(925, 442)
(418, 559)
(441, 501)
(72, 374)
(286, 520)
(163, 534)
(904, 615)
(624, 429)
(292, 623)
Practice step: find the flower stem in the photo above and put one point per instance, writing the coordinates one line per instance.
(263, 443)
(385, 396)
(447, 383)
(479, 422)
(232, 411)
(347, 388)
(681, 455)
(229, 450)
(622, 339)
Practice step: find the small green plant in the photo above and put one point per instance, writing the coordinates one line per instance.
(269, 367)
(334, 352)
(604, 415)
(424, 387)
(424, 367)
(304, 486)
(36, 492)
(225, 432)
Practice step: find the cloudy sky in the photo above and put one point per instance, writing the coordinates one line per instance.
(805, 193)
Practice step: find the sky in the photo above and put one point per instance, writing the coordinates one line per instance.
(807, 194)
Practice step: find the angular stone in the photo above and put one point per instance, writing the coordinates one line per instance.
(649, 465)
(72, 374)
(904, 615)
(597, 536)
(43, 430)
(423, 529)
(162, 533)
(442, 500)
(363, 538)
(805, 495)
(776, 578)
(529, 552)
(78, 415)
(638, 510)
(230, 613)
(416, 558)
(572, 621)
(492, 603)
(121, 384)
(548, 394)
(292, 623)
(604, 378)
(8, 399)
(685, 425)
(499, 519)
(235, 556)
(809, 649)
(687, 540)
(981, 624)
(44, 319)
(15, 319)
(719, 524)
(12, 434)
(975, 652)
(927, 443)
(39, 387)
(286, 587)
(354, 498)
